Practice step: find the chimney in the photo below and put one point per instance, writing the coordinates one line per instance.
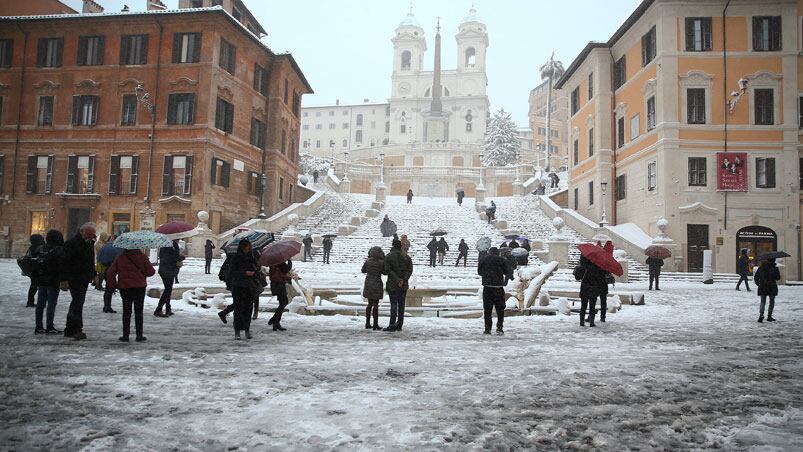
(91, 7)
(156, 5)
(337, 101)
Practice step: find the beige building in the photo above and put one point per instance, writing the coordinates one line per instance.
(329, 131)
(558, 146)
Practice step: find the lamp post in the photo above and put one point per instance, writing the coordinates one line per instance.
(382, 168)
(346, 167)
(263, 182)
(518, 164)
(603, 220)
(148, 213)
(481, 185)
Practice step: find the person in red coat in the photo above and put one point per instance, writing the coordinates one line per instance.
(129, 272)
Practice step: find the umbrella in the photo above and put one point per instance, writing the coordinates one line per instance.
(599, 257)
(177, 230)
(139, 240)
(518, 252)
(438, 232)
(552, 174)
(512, 236)
(657, 252)
(329, 236)
(258, 238)
(483, 244)
(772, 255)
(278, 252)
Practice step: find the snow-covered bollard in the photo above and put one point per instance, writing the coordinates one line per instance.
(200, 294)
(614, 304)
(563, 306)
(219, 301)
(297, 306)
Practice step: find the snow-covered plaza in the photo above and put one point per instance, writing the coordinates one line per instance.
(691, 369)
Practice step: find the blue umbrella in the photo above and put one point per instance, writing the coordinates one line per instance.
(139, 240)
(109, 253)
(258, 238)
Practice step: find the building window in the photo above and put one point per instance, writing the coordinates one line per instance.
(695, 105)
(85, 110)
(6, 52)
(181, 109)
(90, 51)
(332, 126)
(290, 194)
(133, 49)
(635, 127)
(590, 85)
(358, 136)
(648, 47)
(261, 80)
(177, 175)
(186, 47)
(575, 100)
(297, 104)
(318, 126)
(698, 34)
(576, 198)
(620, 132)
(800, 173)
(621, 187)
(764, 103)
(305, 127)
(129, 114)
(406, 58)
(80, 174)
(359, 120)
(471, 57)
(123, 174)
(318, 143)
(228, 56)
(403, 129)
(258, 133)
(767, 33)
(283, 142)
(286, 96)
(196, 4)
(800, 111)
(468, 127)
(345, 143)
(252, 183)
(281, 189)
(345, 125)
(387, 126)
(49, 52)
(591, 193)
(652, 176)
(765, 172)
(619, 72)
(697, 172)
(576, 150)
(2, 171)
(45, 115)
(590, 142)
(220, 172)
(650, 113)
(39, 178)
(224, 116)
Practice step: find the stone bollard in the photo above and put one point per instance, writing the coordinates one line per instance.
(380, 192)
(500, 224)
(196, 245)
(371, 213)
(558, 251)
(378, 205)
(625, 271)
(356, 221)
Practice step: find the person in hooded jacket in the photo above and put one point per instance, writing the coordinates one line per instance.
(279, 277)
(432, 246)
(373, 289)
(36, 241)
(443, 247)
(47, 282)
(766, 278)
(327, 249)
(743, 269)
(129, 273)
(462, 252)
(654, 265)
(399, 268)
(208, 253)
(592, 285)
(526, 245)
(76, 271)
(243, 279)
(513, 244)
(170, 259)
(493, 269)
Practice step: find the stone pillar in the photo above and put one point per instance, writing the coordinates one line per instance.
(380, 192)
(291, 234)
(708, 267)
(480, 195)
(147, 219)
(558, 245)
(196, 245)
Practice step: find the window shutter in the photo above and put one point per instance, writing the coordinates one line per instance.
(143, 50)
(689, 106)
(114, 175)
(191, 109)
(775, 30)
(188, 176)
(134, 174)
(167, 176)
(76, 110)
(30, 177)
(81, 51)
(95, 107)
(249, 182)
(757, 34)
(224, 179)
(196, 56)
(125, 47)
(100, 50)
(218, 114)
(176, 48)
(213, 171)
(90, 185)
(72, 168)
(706, 27)
(59, 51)
(171, 108)
(41, 48)
(689, 34)
(233, 59)
(49, 181)
(770, 163)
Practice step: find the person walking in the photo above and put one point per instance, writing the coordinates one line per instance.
(36, 241)
(279, 277)
(327, 249)
(493, 268)
(100, 268)
(307, 241)
(462, 252)
(315, 176)
(592, 285)
(129, 273)
(47, 280)
(490, 212)
(460, 196)
(76, 271)
(513, 244)
(106, 256)
(243, 279)
(170, 260)
(405, 244)
(373, 290)
(654, 265)
(208, 253)
(410, 196)
(743, 269)
(766, 278)
(443, 247)
(432, 246)
(399, 268)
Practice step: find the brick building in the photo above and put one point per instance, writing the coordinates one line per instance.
(78, 141)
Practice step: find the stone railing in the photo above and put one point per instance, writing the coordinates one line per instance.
(280, 220)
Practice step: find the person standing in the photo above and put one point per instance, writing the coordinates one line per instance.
(460, 196)
(169, 261)
(493, 269)
(208, 253)
(129, 272)
(315, 176)
(432, 246)
(76, 271)
(592, 285)
(243, 279)
(743, 269)
(410, 196)
(405, 244)
(36, 242)
(462, 252)
(372, 289)
(443, 247)
(513, 244)
(108, 253)
(766, 278)
(279, 277)
(399, 268)
(654, 265)
(47, 282)
(327, 249)
(307, 241)
(100, 268)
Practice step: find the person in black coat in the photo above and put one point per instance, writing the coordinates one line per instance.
(512, 264)
(654, 265)
(76, 271)
(432, 246)
(327, 249)
(743, 269)
(443, 247)
(243, 279)
(513, 244)
(526, 245)
(170, 259)
(307, 241)
(280, 276)
(315, 176)
(373, 290)
(36, 242)
(462, 252)
(766, 278)
(493, 269)
(208, 247)
(592, 285)
(410, 196)
(47, 283)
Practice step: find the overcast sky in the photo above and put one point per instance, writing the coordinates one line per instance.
(344, 48)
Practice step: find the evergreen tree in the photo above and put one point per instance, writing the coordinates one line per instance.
(308, 163)
(501, 140)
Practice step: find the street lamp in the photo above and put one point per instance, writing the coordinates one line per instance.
(145, 99)
(518, 164)
(603, 221)
(263, 181)
(346, 167)
(382, 168)
(481, 184)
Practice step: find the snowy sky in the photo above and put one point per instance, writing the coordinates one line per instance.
(344, 46)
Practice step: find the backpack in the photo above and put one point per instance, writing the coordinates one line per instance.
(579, 273)
(223, 274)
(758, 277)
(37, 264)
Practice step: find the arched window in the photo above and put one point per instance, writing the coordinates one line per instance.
(471, 57)
(345, 143)
(444, 92)
(385, 142)
(406, 56)
(469, 118)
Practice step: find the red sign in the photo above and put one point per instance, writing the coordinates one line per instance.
(731, 171)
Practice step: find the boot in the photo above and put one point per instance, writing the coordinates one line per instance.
(770, 318)
(123, 339)
(141, 339)
(278, 327)
(367, 324)
(761, 319)
(222, 315)
(52, 330)
(237, 336)
(158, 313)
(248, 334)
(390, 328)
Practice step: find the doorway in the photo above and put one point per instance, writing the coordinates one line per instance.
(757, 240)
(75, 218)
(697, 242)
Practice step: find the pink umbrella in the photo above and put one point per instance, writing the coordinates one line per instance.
(177, 230)
(278, 252)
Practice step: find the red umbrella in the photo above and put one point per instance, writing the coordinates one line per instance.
(278, 252)
(600, 258)
(658, 252)
(177, 230)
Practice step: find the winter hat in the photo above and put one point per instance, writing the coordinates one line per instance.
(396, 243)
(376, 252)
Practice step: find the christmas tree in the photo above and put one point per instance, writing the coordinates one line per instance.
(501, 140)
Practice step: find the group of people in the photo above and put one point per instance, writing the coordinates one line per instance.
(327, 248)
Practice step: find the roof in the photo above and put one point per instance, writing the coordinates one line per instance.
(409, 21)
(471, 17)
(168, 12)
(369, 104)
(253, 20)
(632, 19)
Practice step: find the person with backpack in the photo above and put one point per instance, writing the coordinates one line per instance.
(243, 280)
(36, 241)
(399, 268)
(372, 290)
(307, 241)
(743, 269)
(766, 278)
(592, 285)
(462, 252)
(76, 271)
(493, 269)
(170, 259)
(129, 272)
(47, 280)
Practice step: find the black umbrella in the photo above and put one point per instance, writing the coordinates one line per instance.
(512, 236)
(438, 232)
(329, 236)
(773, 255)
